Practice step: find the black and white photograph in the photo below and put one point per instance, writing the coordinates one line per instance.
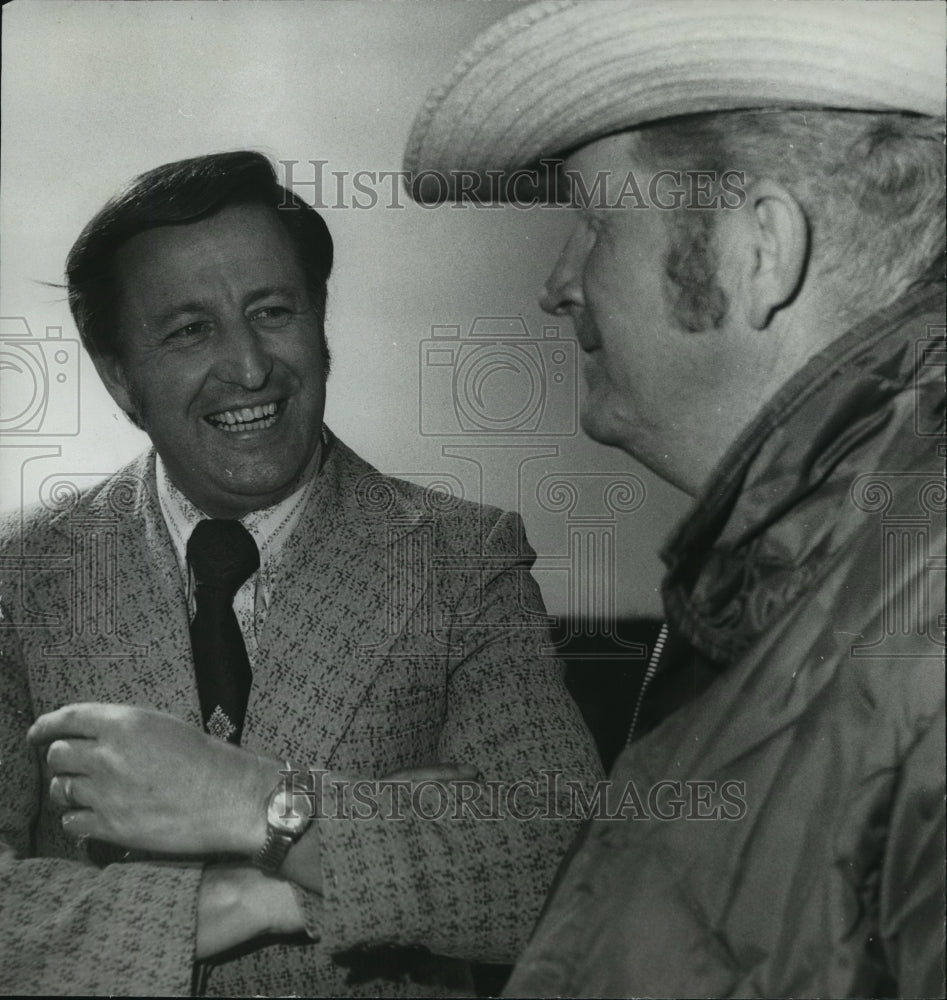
(472, 498)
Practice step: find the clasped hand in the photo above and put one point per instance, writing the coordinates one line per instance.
(148, 781)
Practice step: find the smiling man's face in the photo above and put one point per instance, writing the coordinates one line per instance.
(221, 357)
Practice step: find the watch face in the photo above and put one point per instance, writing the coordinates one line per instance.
(283, 814)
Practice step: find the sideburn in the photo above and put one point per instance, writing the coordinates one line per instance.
(697, 302)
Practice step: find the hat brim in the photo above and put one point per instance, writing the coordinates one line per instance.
(558, 74)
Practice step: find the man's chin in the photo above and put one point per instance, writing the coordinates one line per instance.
(240, 498)
(600, 429)
(232, 489)
(613, 435)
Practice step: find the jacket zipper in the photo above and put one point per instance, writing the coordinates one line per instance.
(648, 677)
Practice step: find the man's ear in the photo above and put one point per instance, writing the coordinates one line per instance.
(112, 372)
(777, 235)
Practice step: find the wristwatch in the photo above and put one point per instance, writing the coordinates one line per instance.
(284, 826)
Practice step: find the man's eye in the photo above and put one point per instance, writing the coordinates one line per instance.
(196, 329)
(271, 316)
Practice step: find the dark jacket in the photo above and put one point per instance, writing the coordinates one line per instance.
(797, 849)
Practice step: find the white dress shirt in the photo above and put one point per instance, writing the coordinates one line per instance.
(270, 527)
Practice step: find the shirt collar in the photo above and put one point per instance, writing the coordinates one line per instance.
(270, 527)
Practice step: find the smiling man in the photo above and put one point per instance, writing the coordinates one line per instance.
(780, 357)
(224, 360)
(250, 598)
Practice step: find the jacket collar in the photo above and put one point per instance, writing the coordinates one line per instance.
(773, 513)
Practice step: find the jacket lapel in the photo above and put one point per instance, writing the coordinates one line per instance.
(151, 611)
(337, 607)
(122, 634)
(164, 592)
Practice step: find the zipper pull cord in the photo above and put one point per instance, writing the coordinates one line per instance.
(648, 677)
(200, 973)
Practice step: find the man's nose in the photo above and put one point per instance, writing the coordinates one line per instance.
(244, 359)
(563, 288)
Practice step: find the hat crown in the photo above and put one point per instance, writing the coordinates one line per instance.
(558, 74)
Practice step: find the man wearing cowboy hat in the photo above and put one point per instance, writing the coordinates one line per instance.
(776, 352)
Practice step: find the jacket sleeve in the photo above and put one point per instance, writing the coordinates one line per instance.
(65, 925)
(464, 869)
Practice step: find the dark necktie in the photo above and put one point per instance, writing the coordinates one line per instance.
(222, 555)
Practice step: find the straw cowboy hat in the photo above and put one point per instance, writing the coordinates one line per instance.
(558, 74)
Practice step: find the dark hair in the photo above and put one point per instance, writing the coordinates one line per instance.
(176, 194)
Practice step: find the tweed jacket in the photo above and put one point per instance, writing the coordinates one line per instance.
(404, 630)
(811, 575)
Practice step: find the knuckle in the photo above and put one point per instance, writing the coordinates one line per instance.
(106, 760)
(121, 720)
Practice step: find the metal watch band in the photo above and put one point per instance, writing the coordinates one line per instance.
(273, 852)
(279, 839)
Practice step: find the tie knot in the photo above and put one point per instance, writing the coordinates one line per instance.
(222, 554)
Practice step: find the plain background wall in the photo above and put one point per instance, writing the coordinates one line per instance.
(94, 93)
